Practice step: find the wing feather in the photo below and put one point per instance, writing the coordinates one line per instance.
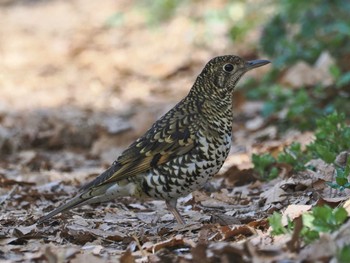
(159, 145)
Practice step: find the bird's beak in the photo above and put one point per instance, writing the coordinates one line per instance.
(256, 63)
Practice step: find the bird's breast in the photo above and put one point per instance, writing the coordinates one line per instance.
(186, 173)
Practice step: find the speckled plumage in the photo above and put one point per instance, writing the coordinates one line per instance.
(182, 150)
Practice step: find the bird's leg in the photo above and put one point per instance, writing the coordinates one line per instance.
(171, 205)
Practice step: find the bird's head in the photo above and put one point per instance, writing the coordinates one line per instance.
(221, 74)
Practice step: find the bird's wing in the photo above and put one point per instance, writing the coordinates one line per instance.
(173, 135)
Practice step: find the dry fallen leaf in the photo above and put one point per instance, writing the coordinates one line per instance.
(127, 257)
(294, 211)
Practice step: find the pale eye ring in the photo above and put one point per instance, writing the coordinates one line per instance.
(228, 67)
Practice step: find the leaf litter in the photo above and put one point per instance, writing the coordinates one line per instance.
(48, 150)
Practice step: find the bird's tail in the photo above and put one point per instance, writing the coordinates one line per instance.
(99, 194)
(76, 201)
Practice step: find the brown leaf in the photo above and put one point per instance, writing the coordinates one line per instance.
(5, 182)
(127, 257)
(259, 224)
(236, 177)
(276, 193)
(224, 252)
(21, 231)
(224, 220)
(177, 241)
(342, 158)
(332, 201)
(78, 234)
(228, 233)
(199, 253)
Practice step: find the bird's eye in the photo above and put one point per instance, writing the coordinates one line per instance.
(228, 67)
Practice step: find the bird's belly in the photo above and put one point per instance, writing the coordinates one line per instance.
(186, 173)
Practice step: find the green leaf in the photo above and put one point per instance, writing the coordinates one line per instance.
(308, 219)
(327, 219)
(343, 255)
(340, 215)
(324, 153)
(275, 221)
(263, 165)
(341, 181)
(309, 235)
(335, 71)
(273, 173)
(294, 156)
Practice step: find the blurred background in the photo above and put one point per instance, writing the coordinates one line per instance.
(91, 76)
(81, 79)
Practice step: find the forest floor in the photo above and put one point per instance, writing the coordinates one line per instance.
(75, 91)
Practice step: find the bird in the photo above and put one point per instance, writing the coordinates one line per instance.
(181, 151)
